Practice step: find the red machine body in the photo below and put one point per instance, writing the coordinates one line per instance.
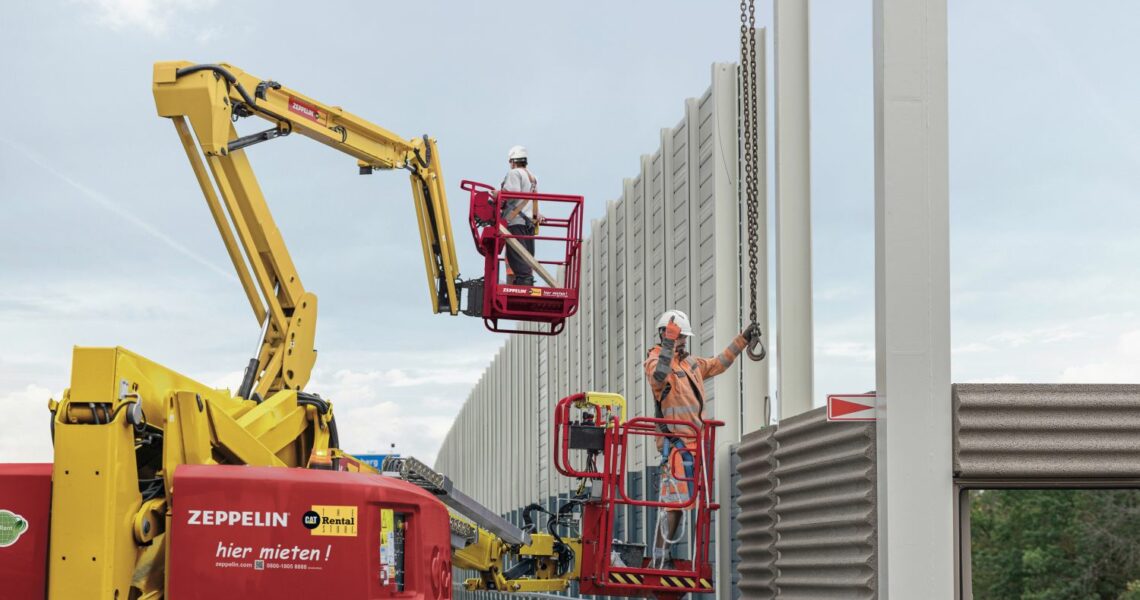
(546, 304)
(599, 576)
(25, 518)
(263, 532)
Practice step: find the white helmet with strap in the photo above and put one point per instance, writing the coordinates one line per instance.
(679, 318)
(516, 153)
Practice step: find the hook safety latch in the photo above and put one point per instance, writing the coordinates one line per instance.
(753, 343)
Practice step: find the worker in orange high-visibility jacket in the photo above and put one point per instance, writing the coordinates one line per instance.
(678, 384)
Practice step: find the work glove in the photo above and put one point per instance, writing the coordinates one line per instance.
(750, 332)
(672, 331)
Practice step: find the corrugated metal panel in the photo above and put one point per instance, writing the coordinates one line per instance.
(757, 517)
(544, 416)
(533, 405)
(659, 267)
(517, 395)
(734, 523)
(505, 399)
(825, 508)
(655, 241)
(704, 231)
(636, 485)
(692, 163)
(678, 274)
(563, 365)
(494, 392)
(601, 304)
(573, 334)
(527, 419)
(617, 296)
(635, 311)
(586, 340)
(479, 414)
(493, 405)
(512, 428)
(1046, 431)
(555, 394)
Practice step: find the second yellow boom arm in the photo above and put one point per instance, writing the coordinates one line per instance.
(204, 100)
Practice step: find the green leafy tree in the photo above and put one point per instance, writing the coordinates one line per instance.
(1056, 544)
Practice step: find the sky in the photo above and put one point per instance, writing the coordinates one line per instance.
(108, 241)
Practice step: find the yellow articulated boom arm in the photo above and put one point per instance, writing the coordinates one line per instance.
(207, 99)
(505, 557)
(123, 427)
(540, 566)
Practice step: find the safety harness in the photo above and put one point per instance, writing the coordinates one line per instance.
(522, 204)
(673, 441)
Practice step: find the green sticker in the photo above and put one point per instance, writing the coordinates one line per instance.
(12, 526)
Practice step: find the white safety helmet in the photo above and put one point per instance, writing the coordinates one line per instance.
(516, 153)
(680, 318)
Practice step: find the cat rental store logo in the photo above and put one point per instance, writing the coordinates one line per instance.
(329, 520)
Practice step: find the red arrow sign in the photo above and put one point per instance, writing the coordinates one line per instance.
(851, 407)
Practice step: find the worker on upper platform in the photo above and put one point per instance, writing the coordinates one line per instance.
(519, 179)
(678, 384)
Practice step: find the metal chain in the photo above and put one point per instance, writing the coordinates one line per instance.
(751, 156)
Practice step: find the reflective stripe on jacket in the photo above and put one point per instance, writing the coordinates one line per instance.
(685, 378)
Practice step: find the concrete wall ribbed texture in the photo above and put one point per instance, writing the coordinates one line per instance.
(1062, 431)
(756, 570)
(807, 510)
(654, 249)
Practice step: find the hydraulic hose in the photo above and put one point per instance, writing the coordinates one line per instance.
(250, 101)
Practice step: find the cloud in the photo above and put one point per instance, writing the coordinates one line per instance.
(126, 215)
(855, 350)
(53, 301)
(152, 17)
(839, 293)
(1028, 20)
(406, 377)
(1123, 366)
(997, 379)
(208, 35)
(412, 407)
(972, 348)
(1044, 335)
(373, 428)
(27, 434)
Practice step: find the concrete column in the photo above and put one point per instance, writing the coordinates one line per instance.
(793, 210)
(667, 213)
(754, 384)
(726, 215)
(726, 206)
(912, 300)
(693, 162)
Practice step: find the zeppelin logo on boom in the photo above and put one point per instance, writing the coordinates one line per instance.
(239, 518)
(304, 109)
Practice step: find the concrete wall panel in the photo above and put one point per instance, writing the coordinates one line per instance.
(757, 517)
(1062, 431)
(825, 508)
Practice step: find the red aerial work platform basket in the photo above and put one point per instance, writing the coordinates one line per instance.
(607, 436)
(554, 296)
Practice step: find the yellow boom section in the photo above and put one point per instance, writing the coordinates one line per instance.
(206, 100)
(122, 429)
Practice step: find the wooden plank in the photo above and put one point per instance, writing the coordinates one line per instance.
(528, 258)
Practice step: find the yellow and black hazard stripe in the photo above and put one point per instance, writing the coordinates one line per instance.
(687, 582)
(625, 578)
